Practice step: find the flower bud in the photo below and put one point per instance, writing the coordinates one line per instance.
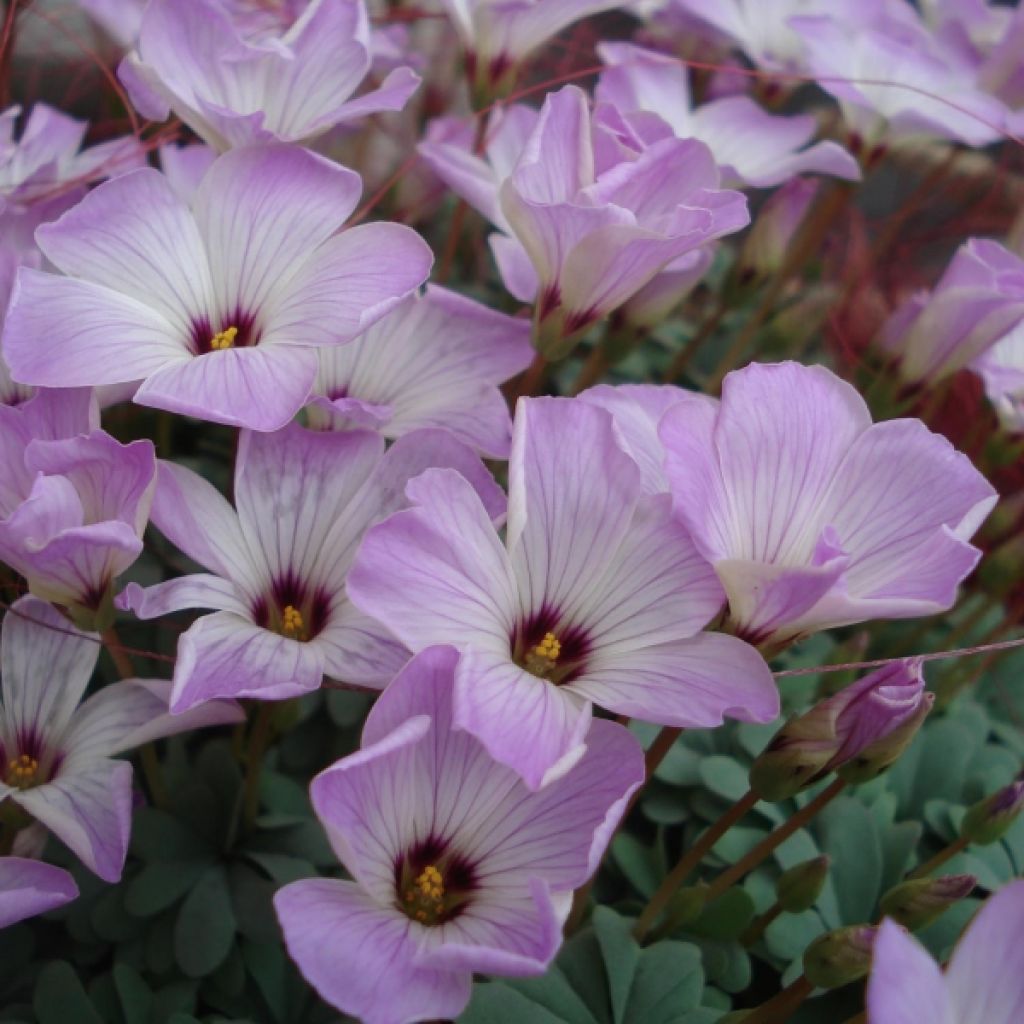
(653, 303)
(860, 732)
(839, 957)
(990, 818)
(920, 901)
(765, 248)
(688, 904)
(798, 888)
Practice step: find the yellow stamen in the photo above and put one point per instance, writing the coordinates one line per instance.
(549, 648)
(425, 897)
(291, 622)
(224, 339)
(21, 771)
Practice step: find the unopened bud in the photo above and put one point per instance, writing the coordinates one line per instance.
(859, 732)
(688, 904)
(990, 818)
(840, 957)
(798, 888)
(769, 239)
(920, 901)
(652, 305)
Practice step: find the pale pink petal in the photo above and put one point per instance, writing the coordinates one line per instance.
(199, 590)
(30, 887)
(906, 985)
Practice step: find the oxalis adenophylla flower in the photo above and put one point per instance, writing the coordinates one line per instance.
(216, 306)
(236, 79)
(813, 516)
(56, 757)
(598, 595)
(984, 983)
(29, 887)
(458, 868)
(278, 565)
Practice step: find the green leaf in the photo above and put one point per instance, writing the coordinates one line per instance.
(849, 836)
(495, 1003)
(59, 997)
(727, 917)
(205, 928)
(725, 777)
(621, 955)
(643, 866)
(160, 884)
(669, 981)
(134, 994)
(159, 836)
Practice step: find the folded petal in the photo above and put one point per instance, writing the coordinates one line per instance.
(47, 664)
(261, 388)
(361, 957)
(30, 887)
(906, 985)
(90, 811)
(692, 683)
(517, 272)
(360, 650)
(199, 590)
(224, 655)
(392, 94)
(62, 332)
(536, 728)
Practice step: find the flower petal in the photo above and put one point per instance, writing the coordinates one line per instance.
(90, 811)
(906, 985)
(30, 887)
(198, 590)
(361, 957)
(224, 655)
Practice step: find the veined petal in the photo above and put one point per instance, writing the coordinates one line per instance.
(467, 175)
(263, 212)
(513, 262)
(536, 728)
(90, 811)
(692, 683)
(30, 887)
(261, 388)
(198, 520)
(985, 980)
(437, 573)
(61, 332)
(47, 664)
(360, 650)
(906, 985)
(572, 491)
(224, 655)
(355, 279)
(391, 95)
(126, 714)
(136, 236)
(360, 956)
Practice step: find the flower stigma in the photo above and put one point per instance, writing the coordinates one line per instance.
(424, 898)
(224, 339)
(21, 771)
(542, 658)
(292, 624)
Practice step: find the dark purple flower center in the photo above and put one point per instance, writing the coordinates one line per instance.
(433, 883)
(293, 609)
(238, 330)
(550, 649)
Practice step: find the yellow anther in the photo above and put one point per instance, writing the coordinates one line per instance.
(224, 339)
(291, 622)
(431, 884)
(21, 771)
(549, 648)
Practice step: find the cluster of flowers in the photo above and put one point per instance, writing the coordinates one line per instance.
(652, 547)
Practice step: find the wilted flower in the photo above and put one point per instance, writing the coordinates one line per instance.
(457, 867)
(277, 566)
(752, 147)
(860, 732)
(217, 307)
(30, 887)
(592, 216)
(983, 984)
(813, 516)
(73, 513)
(978, 301)
(435, 361)
(56, 758)
(235, 85)
(597, 596)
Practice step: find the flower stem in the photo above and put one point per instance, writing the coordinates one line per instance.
(781, 1007)
(947, 853)
(259, 740)
(757, 927)
(148, 760)
(689, 351)
(774, 839)
(592, 370)
(686, 864)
